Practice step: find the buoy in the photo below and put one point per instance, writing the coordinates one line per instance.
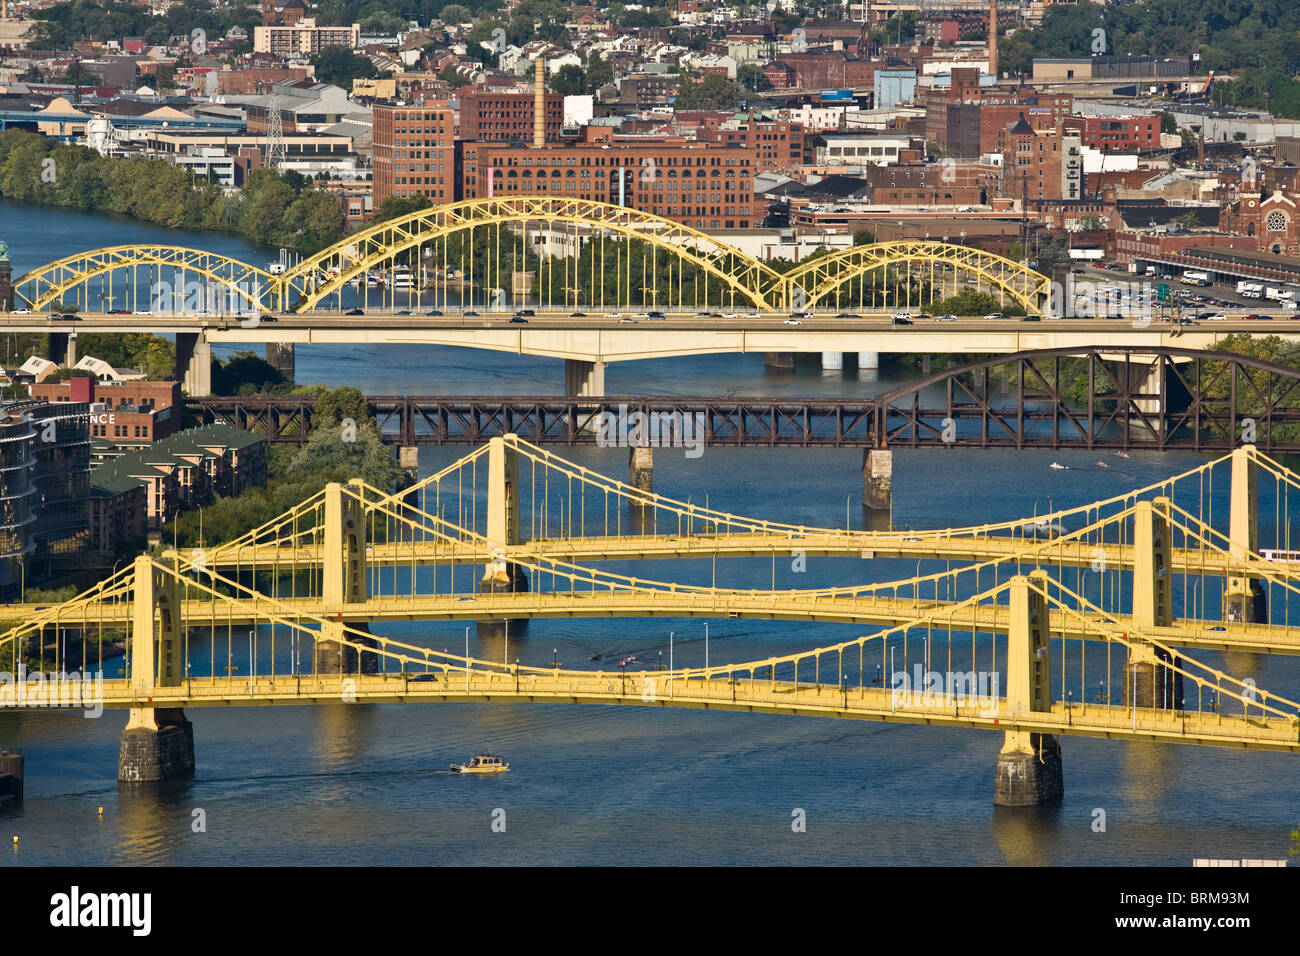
(15, 841)
(101, 811)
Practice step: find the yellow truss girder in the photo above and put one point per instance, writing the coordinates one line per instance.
(817, 278)
(47, 285)
(362, 251)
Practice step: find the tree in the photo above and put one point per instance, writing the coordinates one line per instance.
(570, 80)
(455, 13)
(863, 237)
(340, 66)
(599, 72)
(394, 207)
(453, 77)
(714, 92)
(334, 406)
(752, 77)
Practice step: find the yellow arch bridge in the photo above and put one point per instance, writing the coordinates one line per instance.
(1075, 623)
(553, 251)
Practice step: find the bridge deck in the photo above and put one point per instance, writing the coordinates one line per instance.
(1253, 731)
(877, 611)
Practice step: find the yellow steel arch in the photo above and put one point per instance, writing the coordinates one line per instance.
(47, 285)
(814, 280)
(328, 271)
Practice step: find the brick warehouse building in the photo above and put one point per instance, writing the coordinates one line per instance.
(488, 117)
(414, 152)
(698, 184)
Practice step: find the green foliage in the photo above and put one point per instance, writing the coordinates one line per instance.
(449, 75)
(340, 66)
(270, 209)
(863, 237)
(455, 13)
(394, 207)
(599, 72)
(752, 78)
(569, 80)
(973, 302)
(246, 373)
(1256, 40)
(714, 92)
(151, 354)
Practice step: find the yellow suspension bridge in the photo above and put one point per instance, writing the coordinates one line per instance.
(1038, 612)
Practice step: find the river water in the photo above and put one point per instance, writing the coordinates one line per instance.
(605, 785)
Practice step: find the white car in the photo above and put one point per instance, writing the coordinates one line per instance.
(22, 312)
(902, 315)
(996, 315)
(946, 318)
(792, 321)
(1217, 317)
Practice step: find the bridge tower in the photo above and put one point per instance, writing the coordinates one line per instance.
(158, 742)
(1028, 770)
(500, 575)
(1148, 677)
(1244, 599)
(343, 583)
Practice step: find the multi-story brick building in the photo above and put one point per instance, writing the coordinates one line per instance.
(699, 184)
(119, 513)
(1273, 221)
(414, 151)
(1040, 164)
(488, 117)
(973, 128)
(820, 71)
(778, 144)
(125, 415)
(1117, 133)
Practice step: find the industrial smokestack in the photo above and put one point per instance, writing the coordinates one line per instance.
(539, 103)
(993, 38)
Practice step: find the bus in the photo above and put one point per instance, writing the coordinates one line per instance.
(1195, 278)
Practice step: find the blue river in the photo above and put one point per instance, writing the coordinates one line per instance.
(605, 785)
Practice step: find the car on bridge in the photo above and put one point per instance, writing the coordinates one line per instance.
(355, 312)
(896, 320)
(945, 318)
(434, 312)
(518, 320)
(847, 315)
(577, 315)
(525, 313)
(656, 315)
(792, 321)
(996, 315)
(1031, 318)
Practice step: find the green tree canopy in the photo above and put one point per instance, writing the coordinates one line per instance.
(714, 92)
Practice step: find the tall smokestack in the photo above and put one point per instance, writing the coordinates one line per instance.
(993, 38)
(539, 103)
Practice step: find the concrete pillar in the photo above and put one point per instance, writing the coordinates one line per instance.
(194, 363)
(6, 286)
(832, 361)
(408, 458)
(63, 348)
(778, 359)
(343, 582)
(868, 360)
(281, 356)
(11, 773)
(641, 468)
(331, 655)
(1148, 676)
(1244, 600)
(926, 363)
(1028, 769)
(502, 576)
(877, 479)
(158, 742)
(584, 379)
